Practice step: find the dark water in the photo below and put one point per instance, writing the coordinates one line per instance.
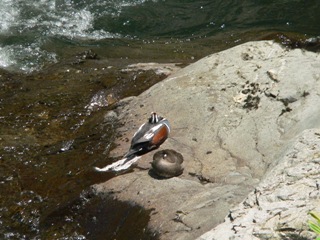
(54, 97)
(53, 131)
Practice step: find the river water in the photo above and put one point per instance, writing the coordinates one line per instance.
(55, 94)
(36, 32)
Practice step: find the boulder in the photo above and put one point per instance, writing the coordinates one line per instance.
(278, 207)
(233, 115)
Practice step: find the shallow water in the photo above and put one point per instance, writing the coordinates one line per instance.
(54, 96)
(53, 131)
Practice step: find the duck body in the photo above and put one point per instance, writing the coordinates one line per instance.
(167, 163)
(148, 137)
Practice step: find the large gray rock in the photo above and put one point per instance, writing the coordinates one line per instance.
(232, 115)
(278, 208)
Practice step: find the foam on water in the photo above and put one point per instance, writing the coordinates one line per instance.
(28, 24)
(8, 13)
(6, 57)
(25, 57)
(54, 18)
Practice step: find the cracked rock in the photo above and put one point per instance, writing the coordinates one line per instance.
(278, 208)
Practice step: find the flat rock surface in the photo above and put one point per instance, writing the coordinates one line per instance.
(232, 114)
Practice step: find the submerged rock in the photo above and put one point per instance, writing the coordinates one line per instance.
(233, 115)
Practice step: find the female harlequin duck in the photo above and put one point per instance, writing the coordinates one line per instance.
(149, 136)
(167, 163)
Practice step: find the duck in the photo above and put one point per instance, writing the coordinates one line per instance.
(149, 136)
(167, 163)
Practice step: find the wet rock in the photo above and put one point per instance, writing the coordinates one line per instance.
(158, 68)
(109, 116)
(205, 105)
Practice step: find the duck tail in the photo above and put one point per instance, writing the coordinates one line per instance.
(122, 164)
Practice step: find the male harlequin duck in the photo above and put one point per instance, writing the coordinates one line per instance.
(149, 136)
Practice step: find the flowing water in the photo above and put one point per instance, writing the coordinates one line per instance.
(55, 94)
(36, 32)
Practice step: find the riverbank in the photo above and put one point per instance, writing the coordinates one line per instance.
(53, 132)
(58, 123)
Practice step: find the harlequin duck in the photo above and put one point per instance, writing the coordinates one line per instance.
(167, 163)
(149, 136)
